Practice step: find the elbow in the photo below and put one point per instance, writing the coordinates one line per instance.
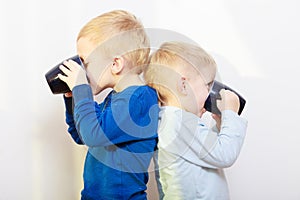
(228, 161)
(75, 136)
(78, 141)
(89, 142)
(221, 161)
(90, 136)
(92, 140)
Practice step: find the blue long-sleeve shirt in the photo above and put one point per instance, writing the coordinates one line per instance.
(121, 134)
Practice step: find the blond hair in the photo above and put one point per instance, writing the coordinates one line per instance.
(134, 46)
(165, 61)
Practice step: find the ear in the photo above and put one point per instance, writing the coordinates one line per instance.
(118, 65)
(182, 85)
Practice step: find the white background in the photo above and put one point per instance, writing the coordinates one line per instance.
(256, 45)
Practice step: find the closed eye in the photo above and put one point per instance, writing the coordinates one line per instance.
(209, 84)
(82, 60)
(85, 65)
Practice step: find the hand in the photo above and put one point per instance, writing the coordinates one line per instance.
(229, 101)
(217, 118)
(74, 76)
(68, 94)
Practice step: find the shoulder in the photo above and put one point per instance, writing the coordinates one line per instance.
(140, 93)
(139, 90)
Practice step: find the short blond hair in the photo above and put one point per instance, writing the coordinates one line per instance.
(171, 55)
(114, 23)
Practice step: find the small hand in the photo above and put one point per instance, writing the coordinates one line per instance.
(217, 118)
(68, 94)
(229, 101)
(74, 76)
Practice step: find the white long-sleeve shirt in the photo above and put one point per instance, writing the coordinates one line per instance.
(191, 156)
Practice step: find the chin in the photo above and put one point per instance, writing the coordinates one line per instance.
(95, 91)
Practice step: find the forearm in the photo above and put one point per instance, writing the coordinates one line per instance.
(223, 149)
(70, 120)
(116, 120)
(86, 119)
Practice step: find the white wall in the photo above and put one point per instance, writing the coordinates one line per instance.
(255, 43)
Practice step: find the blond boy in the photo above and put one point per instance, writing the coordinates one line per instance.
(190, 155)
(121, 132)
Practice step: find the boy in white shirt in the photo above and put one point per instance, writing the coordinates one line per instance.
(191, 156)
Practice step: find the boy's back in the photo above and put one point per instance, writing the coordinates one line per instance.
(117, 162)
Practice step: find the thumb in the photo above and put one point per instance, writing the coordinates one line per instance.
(215, 116)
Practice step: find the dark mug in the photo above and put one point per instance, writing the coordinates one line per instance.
(56, 85)
(214, 95)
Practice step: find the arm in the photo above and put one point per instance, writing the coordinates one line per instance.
(113, 125)
(198, 144)
(184, 135)
(70, 120)
(117, 123)
(222, 149)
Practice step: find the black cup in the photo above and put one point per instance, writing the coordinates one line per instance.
(211, 101)
(56, 85)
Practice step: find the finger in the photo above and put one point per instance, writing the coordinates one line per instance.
(216, 117)
(68, 94)
(75, 64)
(69, 65)
(62, 77)
(65, 70)
(222, 93)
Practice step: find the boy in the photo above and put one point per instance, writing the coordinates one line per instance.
(190, 156)
(121, 132)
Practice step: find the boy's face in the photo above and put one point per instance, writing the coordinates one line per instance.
(197, 91)
(96, 66)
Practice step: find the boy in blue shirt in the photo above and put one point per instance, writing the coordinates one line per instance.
(121, 132)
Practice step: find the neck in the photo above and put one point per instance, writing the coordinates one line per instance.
(127, 80)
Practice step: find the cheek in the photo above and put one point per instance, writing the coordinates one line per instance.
(91, 81)
(97, 74)
(201, 95)
(202, 99)
(94, 73)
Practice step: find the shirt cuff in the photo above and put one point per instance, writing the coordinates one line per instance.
(231, 118)
(229, 113)
(81, 92)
